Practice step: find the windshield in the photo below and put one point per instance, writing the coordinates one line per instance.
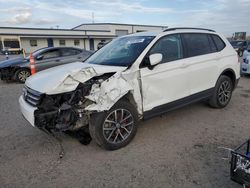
(236, 43)
(121, 51)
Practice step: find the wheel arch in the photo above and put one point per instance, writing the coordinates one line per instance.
(129, 97)
(17, 68)
(231, 74)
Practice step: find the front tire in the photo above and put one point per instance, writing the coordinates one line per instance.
(222, 93)
(22, 74)
(115, 128)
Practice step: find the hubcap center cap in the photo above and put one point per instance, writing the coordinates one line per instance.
(118, 125)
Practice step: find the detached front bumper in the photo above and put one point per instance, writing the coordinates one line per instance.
(27, 110)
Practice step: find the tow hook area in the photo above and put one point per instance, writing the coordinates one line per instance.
(81, 135)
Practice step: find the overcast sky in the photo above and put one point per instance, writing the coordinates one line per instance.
(225, 16)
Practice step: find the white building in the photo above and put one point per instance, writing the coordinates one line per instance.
(86, 36)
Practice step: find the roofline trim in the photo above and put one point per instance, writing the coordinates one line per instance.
(54, 35)
(191, 28)
(32, 28)
(162, 26)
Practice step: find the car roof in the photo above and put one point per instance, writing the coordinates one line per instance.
(60, 47)
(174, 30)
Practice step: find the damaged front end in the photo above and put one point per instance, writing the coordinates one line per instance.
(65, 111)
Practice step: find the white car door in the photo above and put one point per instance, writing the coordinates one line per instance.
(167, 81)
(203, 62)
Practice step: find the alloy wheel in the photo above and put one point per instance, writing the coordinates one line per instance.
(225, 92)
(118, 126)
(23, 75)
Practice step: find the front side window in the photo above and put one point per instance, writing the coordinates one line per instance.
(121, 51)
(170, 47)
(51, 54)
(196, 44)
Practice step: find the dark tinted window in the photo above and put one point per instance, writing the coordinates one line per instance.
(219, 42)
(51, 54)
(170, 47)
(197, 44)
(69, 52)
(212, 44)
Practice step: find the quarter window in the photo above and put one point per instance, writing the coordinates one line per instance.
(219, 43)
(212, 44)
(170, 47)
(197, 44)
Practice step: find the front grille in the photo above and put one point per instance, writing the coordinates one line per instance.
(31, 96)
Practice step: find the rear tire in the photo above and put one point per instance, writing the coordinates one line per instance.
(115, 128)
(22, 74)
(222, 93)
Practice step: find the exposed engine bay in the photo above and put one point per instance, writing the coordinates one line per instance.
(66, 111)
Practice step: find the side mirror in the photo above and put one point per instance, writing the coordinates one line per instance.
(155, 59)
(40, 57)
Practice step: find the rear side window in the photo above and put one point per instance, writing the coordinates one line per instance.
(196, 44)
(51, 54)
(218, 42)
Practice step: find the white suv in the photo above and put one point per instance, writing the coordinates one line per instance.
(134, 77)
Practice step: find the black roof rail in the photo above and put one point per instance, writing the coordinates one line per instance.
(176, 28)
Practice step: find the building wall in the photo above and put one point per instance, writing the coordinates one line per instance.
(41, 43)
(98, 32)
(25, 44)
(69, 42)
(111, 28)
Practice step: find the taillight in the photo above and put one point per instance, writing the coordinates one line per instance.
(238, 59)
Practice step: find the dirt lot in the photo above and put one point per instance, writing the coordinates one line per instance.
(180, 149)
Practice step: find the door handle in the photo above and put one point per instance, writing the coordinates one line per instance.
(57, 60)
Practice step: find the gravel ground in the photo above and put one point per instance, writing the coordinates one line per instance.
(179, 149)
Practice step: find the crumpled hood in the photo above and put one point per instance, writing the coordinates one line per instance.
(65, 78)
(12, 62)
